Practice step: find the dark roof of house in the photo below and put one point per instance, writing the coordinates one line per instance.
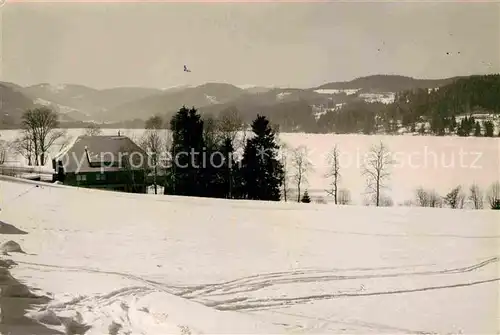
(102, 153)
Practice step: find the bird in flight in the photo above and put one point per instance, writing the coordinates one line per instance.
(186, 69)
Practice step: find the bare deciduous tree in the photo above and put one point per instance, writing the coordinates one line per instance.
(494, 195)
(425, 198)
(24, 146)
(133, 163)
(41, 125)
(286, 173)
(375, 169)
(334, 173)
(407, 203)
(222, 132)
(275, 128)
(302, 166)
(211, 133)
(386, 201)
(422, 197)
(230, 124)
(435, 200)
(344, 197)
(4, 151)
(152, 143)
(167, 160)
(320, 200)
(476, 196)
(64, 141)
(93, 129)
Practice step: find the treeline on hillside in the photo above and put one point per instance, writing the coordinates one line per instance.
(412, 109)
(356, 117)
(291, 116)
(440, 107)
(444, 111)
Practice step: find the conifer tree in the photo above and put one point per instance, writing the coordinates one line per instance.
(187, 153)
(477, 129)
(262, 171)
(305, 198)
(489, 128)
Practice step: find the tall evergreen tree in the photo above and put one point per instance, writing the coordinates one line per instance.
(453, 124)
(477, 129)
(489, 129)
(227, 171)
(466, 126)
(437, 124)
(262, 171)
(187, 153)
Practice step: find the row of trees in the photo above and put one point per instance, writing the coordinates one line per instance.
(457, 197)
(373, 118)
(465, 96)
(206, 157)
(376, 170)
(258, 168)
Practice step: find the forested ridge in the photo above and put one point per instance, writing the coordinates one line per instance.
(450, 109)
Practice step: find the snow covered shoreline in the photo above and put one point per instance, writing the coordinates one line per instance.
(158, 264)
(431, 162)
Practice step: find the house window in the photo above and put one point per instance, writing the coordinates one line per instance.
(101, 176)
(81, 177)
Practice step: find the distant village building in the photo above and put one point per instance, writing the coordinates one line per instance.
(103, 162)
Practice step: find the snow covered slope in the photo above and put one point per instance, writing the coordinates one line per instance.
(159, 264)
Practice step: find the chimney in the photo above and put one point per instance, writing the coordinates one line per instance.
(87, 154)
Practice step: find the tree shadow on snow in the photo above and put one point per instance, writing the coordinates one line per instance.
(16, 299)
(16, 323)
(8, 229)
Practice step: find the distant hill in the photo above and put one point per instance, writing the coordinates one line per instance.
(12, 104)
(170, 101)
(84, 103)
(11, 85)
(271, 103)
(293, 108)
(386, 83)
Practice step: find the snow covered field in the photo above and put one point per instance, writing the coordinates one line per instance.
(174, 265)
(436, 163)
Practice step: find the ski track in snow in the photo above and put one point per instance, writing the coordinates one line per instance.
(261, 292)
(322, 324)
(126, 297)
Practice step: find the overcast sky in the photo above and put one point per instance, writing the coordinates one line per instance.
(288, 44)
